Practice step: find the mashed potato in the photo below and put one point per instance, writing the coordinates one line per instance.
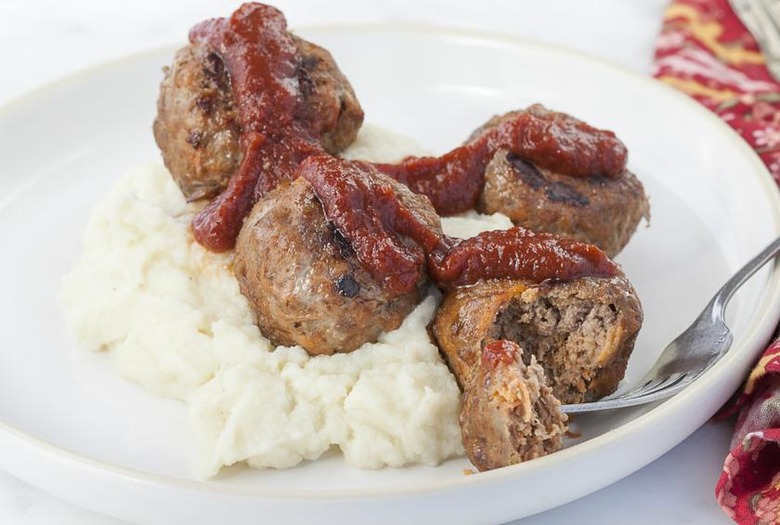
(172, 315)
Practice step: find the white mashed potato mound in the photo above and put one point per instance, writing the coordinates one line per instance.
(172, 315)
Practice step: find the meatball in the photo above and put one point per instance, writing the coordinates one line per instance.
(604, 211)
(581, 331)
(303, 280)
(598, 209)
(519, 349)
(509, 414)
(330, 109)
(197, 127)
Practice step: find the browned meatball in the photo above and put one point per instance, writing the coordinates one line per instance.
(581, 332)
(518, 349)
(599, 210)
(603, 211)
(198, 128)
(304, 282)
(330, 109)
(509, 414)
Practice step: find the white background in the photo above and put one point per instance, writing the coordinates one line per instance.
(43, 40)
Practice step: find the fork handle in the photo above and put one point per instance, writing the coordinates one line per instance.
(722, 297)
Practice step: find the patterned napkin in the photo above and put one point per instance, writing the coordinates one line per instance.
(705, 51)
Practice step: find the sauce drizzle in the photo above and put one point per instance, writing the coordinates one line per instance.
(393, 242)
(378, 226)
(556, 141)
(263, 62)
(500, 352)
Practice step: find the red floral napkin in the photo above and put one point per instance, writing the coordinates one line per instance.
(705, 51)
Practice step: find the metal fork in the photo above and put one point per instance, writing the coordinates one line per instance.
(762, 19)
(692, 353)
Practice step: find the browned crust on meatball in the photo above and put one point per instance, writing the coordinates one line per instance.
(330, 108)
(604, 211)
(599, 210)
(509, 415)
(304, 282)
(197, 126)
(581, 332)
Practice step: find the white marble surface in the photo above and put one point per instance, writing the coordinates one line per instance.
(42, 40)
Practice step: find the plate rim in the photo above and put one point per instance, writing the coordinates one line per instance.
(757, 332)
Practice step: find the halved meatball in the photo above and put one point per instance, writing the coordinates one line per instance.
(581, 332)
(509, 414)
(519, 349)
(303, 280)
(197, 127)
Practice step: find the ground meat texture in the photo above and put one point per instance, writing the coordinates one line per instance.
(581, 332)
(304, 282)
(197, 127)
(330, 108)
(604, 211)
(508, 413)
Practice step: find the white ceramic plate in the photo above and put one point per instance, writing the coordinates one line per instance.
(69, 425)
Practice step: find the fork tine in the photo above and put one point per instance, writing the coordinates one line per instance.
(696, 350)
(654, 386)
(636, 397)
(648, 387)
